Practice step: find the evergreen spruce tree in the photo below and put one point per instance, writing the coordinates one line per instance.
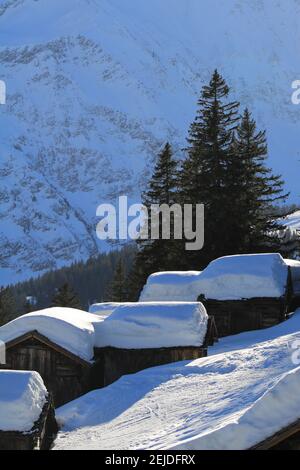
(28, 307)
(66, 297)
(136, 279)
(252, 192)
(7, 306)
(158, 254)
(118, 291)
(204, 175)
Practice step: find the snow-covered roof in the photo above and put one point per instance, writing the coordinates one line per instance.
(226, 278)
(167, 286)
(154, 325)
(129, 325)
(293, 263)
(105, 308)
(22, 398)
(69, 328)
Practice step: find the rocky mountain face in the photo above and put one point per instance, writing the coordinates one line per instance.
(94, 89)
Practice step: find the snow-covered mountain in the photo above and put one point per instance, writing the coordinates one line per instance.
(95, 87)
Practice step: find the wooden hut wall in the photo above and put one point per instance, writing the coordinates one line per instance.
(236, 316)
(65, 376)
(118, 362)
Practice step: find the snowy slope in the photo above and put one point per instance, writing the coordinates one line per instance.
(22, 398)
(163, 407)
(95, 88)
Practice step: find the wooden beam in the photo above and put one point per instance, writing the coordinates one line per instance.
(278, 437)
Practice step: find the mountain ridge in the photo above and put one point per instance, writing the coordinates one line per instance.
(95, 89)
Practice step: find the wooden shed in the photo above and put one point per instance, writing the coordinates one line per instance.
(140, 336)
(65, 375)
(294, 266)
(235, 316)
(58, 343)
(28, 421)
(242, 292)
(265, 305)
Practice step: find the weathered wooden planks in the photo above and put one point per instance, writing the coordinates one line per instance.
(65, 375)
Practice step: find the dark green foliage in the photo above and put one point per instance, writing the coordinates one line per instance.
(252, 192)
(225, 170)
(89, 279)
(157, 254)
(66, 297)
(117, 291)
(28, 307)
(204, 176)
(136, 279)
(285, 209)
(8, 310)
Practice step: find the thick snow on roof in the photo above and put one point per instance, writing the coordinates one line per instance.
(105, 308)
(22, 398)
(293, 263)
(171, 286)
(67, 327)
(229, 277)
(154, 325)
(234, 399)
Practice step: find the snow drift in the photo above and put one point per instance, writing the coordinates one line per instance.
(105, 308)
(22, 398)
(276, 409)
(236, 397)
(226, 278)
(154, 325)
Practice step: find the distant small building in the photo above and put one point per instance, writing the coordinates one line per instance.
(31, 300)
(142, 335)
(27, 418)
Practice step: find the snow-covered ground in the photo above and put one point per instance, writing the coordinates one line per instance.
(234, 398)
(22, 398)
